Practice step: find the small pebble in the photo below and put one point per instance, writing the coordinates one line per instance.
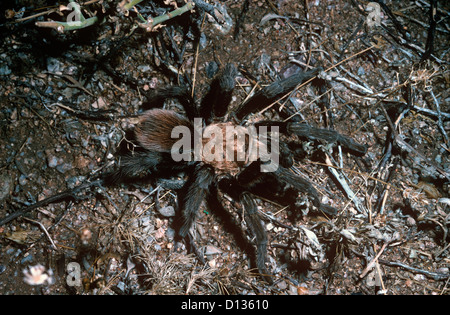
(212, 250)
(23, 180)
(410, 221)
(170, 233)
(54, 65)
(52, 161)
(121, 286)
(212, 263)
(6, 186)
(62, 168)
(444, 270)
(26, 259)
(419, 277)
(5, 70)
(168, 211)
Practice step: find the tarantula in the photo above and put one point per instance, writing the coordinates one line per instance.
(159, 155)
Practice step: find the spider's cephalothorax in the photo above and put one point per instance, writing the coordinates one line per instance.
(233, 157)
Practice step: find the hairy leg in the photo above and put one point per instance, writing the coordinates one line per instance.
(274, 91)
(215, 103)
(134, 165)
(255, 225)
(330, 136)
(156, 99)
(256, 182)
(238, 193)
(306, 131)
(304, 185)
(144, 165)
(196, 190)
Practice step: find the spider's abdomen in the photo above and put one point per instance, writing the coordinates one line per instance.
(153, 132)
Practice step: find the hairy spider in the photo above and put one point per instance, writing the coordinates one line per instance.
(160, 155)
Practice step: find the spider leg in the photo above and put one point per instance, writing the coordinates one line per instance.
(254, 180)
(306, 131)
(258, 230)
(145, 164)
(313, 133)
(156, 99)
(214, 104)
(196, 190)
(274, 91)
(304, 185)
(239, 193)
(136, 165)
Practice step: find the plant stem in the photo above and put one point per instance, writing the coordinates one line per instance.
(131, 4)
(152, 22)
(81, 21)
(68, 26)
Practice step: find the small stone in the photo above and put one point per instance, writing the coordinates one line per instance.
(6, 186)
(144, 68)
(81, 162)
(99, 103)
(5, 70)
(443, 270)
(168, 211)
(212, 263)
(361, 71)
(419, 277)
(54, 65)
(212, 250)
(23, 180)
(52, 161)
(282, 285)
(121, 286)
(27, 259)
(62, 168)
(410, 221)
(170, 233)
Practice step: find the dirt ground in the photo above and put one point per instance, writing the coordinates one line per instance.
(68, 98)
